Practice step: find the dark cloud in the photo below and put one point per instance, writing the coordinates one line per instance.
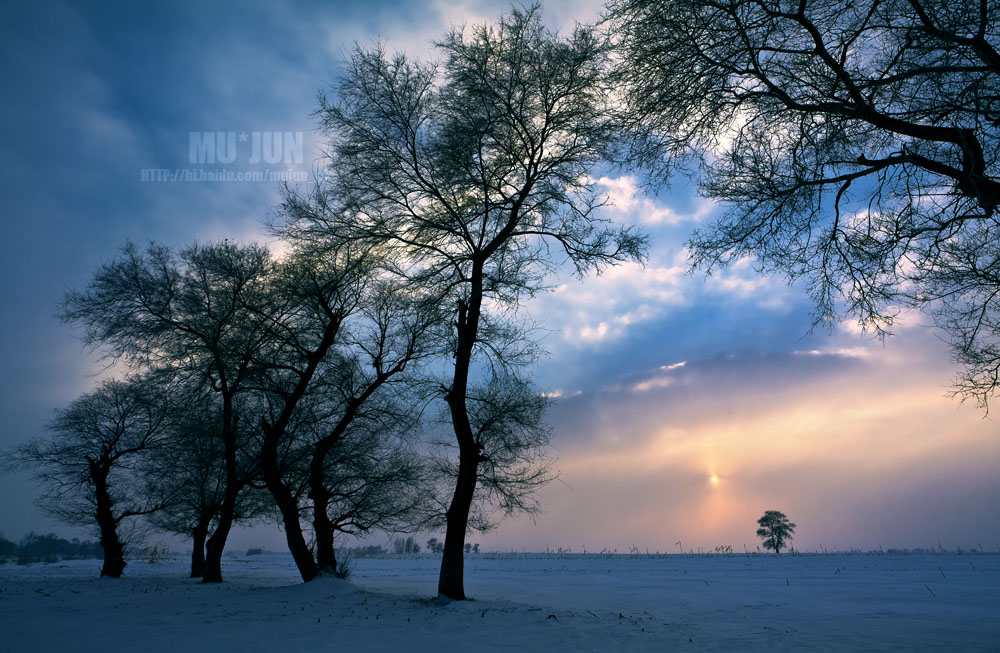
(725, 386)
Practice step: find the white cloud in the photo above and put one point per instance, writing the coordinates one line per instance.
(650, 384)
(602, 308)
(628, 200)
(848, 352)
(594, 334)
(742, 281)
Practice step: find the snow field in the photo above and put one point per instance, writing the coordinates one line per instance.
(521, 602)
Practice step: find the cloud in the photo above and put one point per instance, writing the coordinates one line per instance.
(413, 28)
(741, 281)
(601, 308)
(661, 382)
(850, 352)
(609, 307)
(841, 440)
(630, 204)
(661, 378)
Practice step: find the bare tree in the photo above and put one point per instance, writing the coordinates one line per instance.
(370, 480)
(465, 175)
(855, 145)
(327, 430)
(506, 415)
(190, 469)
(203, 313)
(91, 467)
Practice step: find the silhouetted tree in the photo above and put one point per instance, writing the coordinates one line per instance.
(90, 467)
(34, 547)
(464, 175)
(405, 547)
(190, 469)
(506, 418)
(331, 434)
(774, 530)
(370, 480)
(854, 144)
(203, 313)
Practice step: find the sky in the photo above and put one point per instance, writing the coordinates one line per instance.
(685, 405)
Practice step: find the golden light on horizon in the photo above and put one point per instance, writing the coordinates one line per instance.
(713, 479)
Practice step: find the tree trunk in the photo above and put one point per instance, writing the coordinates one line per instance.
(287, 504)
(323, 529)
(114, 552)
(212, 572)
(326, 556)
(293, 532)
(199, 535)
(217, 542)
(451, 581)
(114, 556)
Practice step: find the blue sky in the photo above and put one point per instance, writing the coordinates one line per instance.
(854, 438)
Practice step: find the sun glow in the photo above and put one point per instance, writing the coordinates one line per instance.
(713, 479)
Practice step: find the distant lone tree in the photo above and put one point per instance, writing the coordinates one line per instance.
(774, 530)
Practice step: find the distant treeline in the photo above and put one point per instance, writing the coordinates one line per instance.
(399, 546)
(47, 548)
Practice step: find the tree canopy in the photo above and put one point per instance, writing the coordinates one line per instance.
(471, 175)
(853, 144)
(775, 529)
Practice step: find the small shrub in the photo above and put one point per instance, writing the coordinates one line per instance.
(156, 554)
(345, 565)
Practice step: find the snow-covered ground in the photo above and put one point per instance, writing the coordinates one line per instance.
(522, 602)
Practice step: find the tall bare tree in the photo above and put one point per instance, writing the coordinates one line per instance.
(91, 467)
(203, 313)
(466, 174)
(854, 144)
(326, 428)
